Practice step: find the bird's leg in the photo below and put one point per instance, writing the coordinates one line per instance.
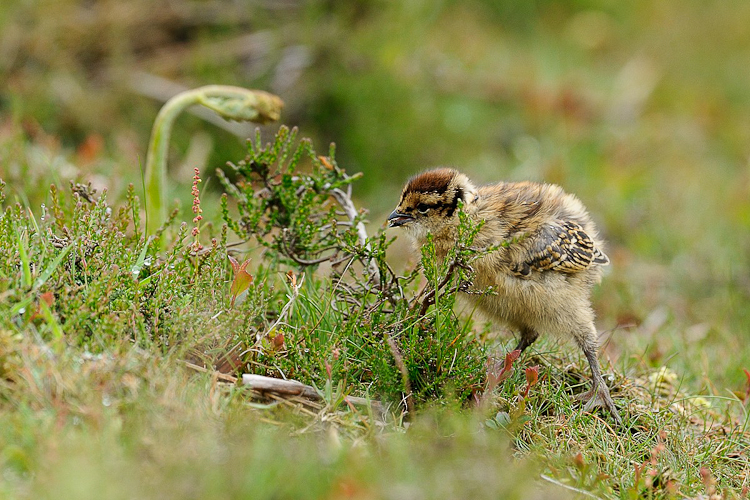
(599, 393)
(528, 336)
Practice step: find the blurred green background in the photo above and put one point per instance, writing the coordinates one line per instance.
(640, 108)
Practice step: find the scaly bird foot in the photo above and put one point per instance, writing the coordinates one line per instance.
(599, 397)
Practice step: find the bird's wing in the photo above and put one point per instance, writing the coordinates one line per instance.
(563, 247)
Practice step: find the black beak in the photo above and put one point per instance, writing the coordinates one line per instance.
(398, 219)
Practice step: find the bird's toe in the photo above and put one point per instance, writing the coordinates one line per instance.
(599, 398)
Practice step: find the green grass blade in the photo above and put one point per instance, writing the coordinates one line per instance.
(52, 266)
(50, 319)
(25, 266)
(136, 269)
(145, 281)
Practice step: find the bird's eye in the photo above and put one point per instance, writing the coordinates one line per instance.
(423, 209)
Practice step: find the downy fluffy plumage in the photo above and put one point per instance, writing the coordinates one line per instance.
(543, 279)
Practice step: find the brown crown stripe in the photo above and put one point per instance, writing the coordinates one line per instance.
(433, 181)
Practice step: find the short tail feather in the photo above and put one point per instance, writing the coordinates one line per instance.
(600, 258)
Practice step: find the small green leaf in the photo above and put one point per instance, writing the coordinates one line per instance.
(242, 279)
(523, 419)
(502, 419)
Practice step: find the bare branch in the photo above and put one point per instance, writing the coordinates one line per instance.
(346, 203)
(399, 360)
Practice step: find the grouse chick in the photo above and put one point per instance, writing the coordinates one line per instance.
(542, 279)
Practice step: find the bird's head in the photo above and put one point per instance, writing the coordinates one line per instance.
(429, 202)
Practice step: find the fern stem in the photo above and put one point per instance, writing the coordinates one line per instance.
(232, 103)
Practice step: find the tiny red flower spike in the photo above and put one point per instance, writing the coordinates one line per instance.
(747, 383)
(196, 210)
(511, 357)
(532, 375)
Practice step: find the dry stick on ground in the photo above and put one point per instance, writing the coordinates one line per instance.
(262, 384)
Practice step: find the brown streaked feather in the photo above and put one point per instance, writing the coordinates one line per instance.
(564, 248)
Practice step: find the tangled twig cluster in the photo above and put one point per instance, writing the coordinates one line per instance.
(298, 206)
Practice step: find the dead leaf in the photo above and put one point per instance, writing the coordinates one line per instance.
(325, 161)
(49, 298)
(532, 377)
